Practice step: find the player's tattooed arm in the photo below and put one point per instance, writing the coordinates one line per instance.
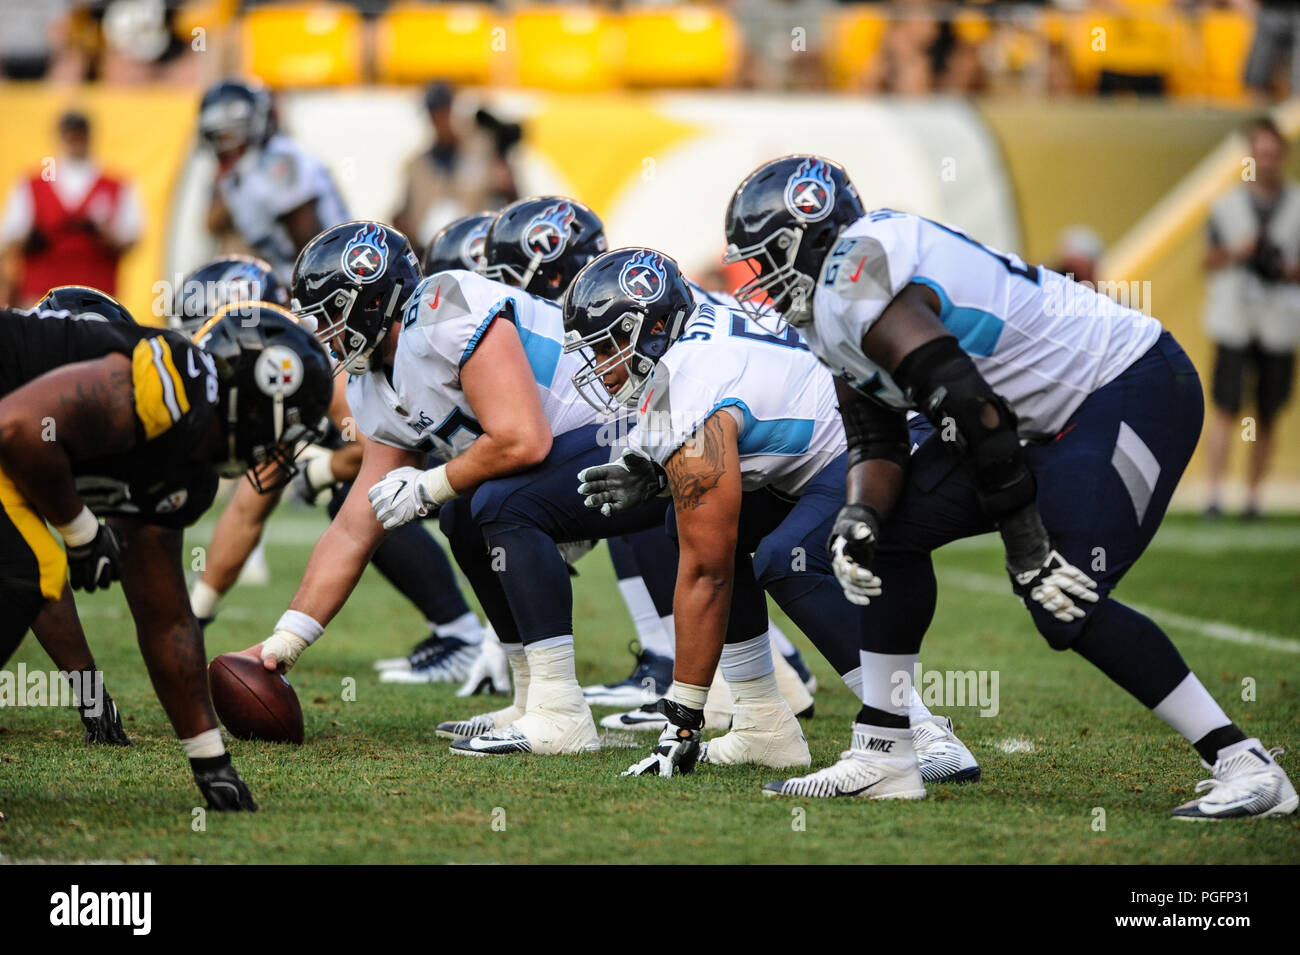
(76, 412)
(704, 476)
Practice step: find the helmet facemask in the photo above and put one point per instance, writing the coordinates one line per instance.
(779, 293)
(589, 380)
(350, 346)
(269, 465)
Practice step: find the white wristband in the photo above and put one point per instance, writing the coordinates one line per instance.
(203, 600)
(301, 625)
(79, 531)
(320, 470)
(435, 485)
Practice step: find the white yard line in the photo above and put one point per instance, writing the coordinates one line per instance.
(1214, 629)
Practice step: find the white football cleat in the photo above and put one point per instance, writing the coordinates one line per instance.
(490, 671)
(943, 758)
(765, 733)
(650, 679)
(556, 718)
(1247, 783)
(450, 662)
(880, 765)
(645, 718)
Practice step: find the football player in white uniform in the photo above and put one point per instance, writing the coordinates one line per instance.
(274, 193)
(1070, 420)
(744, 426)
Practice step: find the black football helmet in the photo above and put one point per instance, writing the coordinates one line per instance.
(783, 220)
(86, 303)
(459, 245)
(232, 114)
(274, 389)
(224, 281)
(353, 280)
(539, 244)
(627, 306)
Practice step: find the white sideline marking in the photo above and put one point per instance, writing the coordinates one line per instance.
(1214, 629)
(1016, 745)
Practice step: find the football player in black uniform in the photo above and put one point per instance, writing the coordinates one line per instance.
(134, 424)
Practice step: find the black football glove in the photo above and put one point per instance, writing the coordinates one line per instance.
(221, 785)
(853, 545)
(620, 485)
(97, 564)
(678, 746)
(105, 728)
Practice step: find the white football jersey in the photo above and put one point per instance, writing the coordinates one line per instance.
(783, 400)
(1042, 341)
(268, 182)
(424, 408)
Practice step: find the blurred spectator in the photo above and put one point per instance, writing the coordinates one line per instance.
(1253, 306)
(923, 53)
(467, 168)
(68, 223)
(1273, 50)
(783, 42)
(1077, 252)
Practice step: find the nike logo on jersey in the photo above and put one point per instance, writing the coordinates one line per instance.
(645, 404)
(437, 294)
(854, 277)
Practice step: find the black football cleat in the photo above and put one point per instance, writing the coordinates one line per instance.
(221, 785)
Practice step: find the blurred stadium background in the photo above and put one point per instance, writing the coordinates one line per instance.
(1014, 121)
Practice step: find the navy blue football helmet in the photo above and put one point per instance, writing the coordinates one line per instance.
(540, 244)
(353, 281)
(627, 306)
(233, 114)
(783, 220)
(459, 244)
(274, 389)
(86, 303)
(224, 281)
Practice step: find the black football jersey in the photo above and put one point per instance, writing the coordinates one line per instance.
(159, 480)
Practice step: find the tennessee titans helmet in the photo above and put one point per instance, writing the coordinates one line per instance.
(274, 389)
(783, 220)
(627, 306)
(232, 114)
(459, 244)
(353, 280)
(224, 281)
(86, 303)
(539, 244)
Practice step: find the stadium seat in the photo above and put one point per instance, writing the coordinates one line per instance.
(417, 42)
(313, 44)
(853, 37)
(686, 46)
(566, 48)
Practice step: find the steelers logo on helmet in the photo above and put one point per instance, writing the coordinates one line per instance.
(810, 191)
(548, 233)
(365, 257)
(643, 277)
(278, 371)
(471, 250)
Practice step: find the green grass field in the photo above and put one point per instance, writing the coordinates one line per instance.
(373, 784)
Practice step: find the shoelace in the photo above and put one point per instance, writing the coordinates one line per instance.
(1231, 786)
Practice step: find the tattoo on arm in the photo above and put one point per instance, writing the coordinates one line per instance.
(698, 466)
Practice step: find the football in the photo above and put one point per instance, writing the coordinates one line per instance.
(253, 702)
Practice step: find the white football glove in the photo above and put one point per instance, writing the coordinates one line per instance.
(678, 747)
(1055, 586)
(407, 493)
(285, 647)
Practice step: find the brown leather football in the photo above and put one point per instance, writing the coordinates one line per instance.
(254, 702)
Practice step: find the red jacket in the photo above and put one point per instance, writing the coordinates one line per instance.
(64, 249)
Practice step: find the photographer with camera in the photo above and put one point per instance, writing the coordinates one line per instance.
(1253, 304)
(467, 168)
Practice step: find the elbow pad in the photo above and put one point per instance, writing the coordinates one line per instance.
(945, 385)
(875, 432)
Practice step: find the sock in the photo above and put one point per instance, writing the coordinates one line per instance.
(853, 680)
(874, 742)
(1221, 743)
(917, 712)
(204, 746)
(761, 689)
(203, 600)
(779, 640)
(886, 686)
(519, 672)
(466, 627)
(1192, 712)
(748, 660)
(645, 618)
(689, 695)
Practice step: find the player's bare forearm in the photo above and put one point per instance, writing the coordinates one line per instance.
(704, 476)
(238, 530)
(876, 484)
(170, 639)
(493, 457)
(339, 558)
(79, 411)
